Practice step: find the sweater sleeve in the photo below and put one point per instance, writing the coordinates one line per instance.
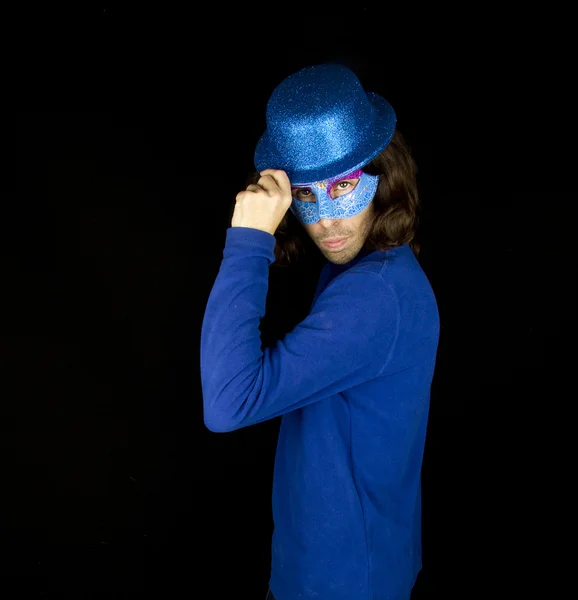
(347, 338)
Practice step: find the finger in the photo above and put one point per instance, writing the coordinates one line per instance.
(248, 193)
(268, 183)
(280, 177)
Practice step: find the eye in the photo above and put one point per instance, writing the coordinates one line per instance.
(303, 194)
(343, 187)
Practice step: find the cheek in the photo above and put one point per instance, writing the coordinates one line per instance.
(359, 223)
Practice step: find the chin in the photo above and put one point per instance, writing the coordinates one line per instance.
(339, 258)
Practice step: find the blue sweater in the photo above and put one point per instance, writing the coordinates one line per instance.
(352, 381)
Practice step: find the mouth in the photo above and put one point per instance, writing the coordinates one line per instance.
(335, 243)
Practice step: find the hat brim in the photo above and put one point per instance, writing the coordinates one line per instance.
(377, 138)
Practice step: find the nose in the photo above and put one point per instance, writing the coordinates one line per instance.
(327, 223)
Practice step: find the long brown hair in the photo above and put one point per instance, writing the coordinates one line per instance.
(396, 205)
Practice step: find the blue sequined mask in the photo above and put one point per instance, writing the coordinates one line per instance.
(340, 207)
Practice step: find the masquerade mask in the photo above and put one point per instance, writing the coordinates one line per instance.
(329, 200)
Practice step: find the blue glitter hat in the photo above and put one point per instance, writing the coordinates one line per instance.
(322, 124)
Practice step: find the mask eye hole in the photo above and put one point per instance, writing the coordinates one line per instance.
(303, 194)
(343, 186)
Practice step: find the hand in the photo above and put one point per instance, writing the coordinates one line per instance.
(263, 205)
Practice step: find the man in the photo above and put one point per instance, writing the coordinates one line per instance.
(352, 380)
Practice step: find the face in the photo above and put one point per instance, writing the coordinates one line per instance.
(348, 195)
(355, 229)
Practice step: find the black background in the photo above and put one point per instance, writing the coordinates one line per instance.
(128, 135)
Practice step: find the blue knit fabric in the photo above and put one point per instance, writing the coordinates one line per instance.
(352, 381)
